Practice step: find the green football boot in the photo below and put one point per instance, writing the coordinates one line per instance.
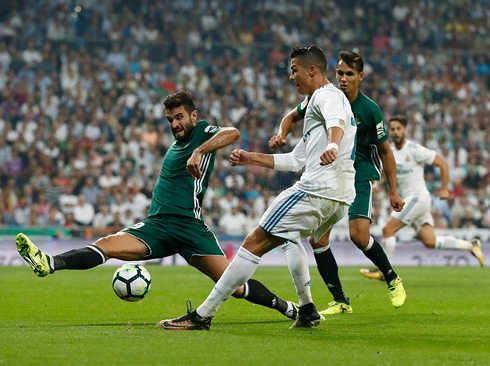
(38, 261)
(336, 307)
(397, 292)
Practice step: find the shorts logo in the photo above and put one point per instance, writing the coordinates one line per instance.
(305, 137)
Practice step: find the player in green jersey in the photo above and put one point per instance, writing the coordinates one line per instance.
(175, 223)
(372, 153)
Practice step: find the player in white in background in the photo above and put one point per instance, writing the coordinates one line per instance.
(410, 161)
(310, 207)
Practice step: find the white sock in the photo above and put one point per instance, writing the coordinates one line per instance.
(370, 244)
(297, 260)
(450, 242)
(236, 274)
(389, 246)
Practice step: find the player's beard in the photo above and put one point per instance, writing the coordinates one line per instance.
(400, 144)
(187, 132)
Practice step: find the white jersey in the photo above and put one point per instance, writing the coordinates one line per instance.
(328, 107)
(410, 162)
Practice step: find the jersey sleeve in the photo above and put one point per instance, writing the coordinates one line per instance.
(293, 161)
(206, 131)
(423, 155)
(301, 108)
(378, 131)
(332, 109)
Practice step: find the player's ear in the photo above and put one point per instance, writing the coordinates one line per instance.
(194, 116)
(361, 75)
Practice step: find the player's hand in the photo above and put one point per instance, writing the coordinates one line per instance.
(240, 157)
(396, 202)
(328, 157)
(276, 142)
(193, 165)
(443, 194)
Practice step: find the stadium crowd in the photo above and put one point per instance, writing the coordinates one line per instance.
(82, 126)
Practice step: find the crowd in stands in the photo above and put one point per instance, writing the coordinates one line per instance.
(82, 127)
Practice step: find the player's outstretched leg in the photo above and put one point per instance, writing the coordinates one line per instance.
(41, 264)
(190, 321)
(308, 316)
(476, 250)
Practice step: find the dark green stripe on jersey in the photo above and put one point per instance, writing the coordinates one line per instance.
(370, 132)
(176, 192)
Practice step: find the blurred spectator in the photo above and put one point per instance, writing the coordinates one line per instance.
(104, 218)
(233, 223)
(83, 212)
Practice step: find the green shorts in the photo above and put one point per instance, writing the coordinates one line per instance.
(362, 208)
(166, 235)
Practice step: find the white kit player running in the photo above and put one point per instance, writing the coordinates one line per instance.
(311, 207)
(410, 161)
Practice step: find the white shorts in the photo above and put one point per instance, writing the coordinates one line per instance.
(295, 214)
(416, 212)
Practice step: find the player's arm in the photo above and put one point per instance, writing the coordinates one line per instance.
(224, 137)
(293, 161)
(389, 166)
(285, 128)
(442, 164)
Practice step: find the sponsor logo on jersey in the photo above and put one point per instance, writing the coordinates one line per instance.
(380, 130)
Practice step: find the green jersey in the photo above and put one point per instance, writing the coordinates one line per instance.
(370, 132)
(176, 192)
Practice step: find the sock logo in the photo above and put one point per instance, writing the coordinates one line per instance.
(308, 283)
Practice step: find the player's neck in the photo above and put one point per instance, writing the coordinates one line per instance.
(352, 96)
(318, 83)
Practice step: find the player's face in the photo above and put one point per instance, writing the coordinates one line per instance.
(397, 132)
(181, 123)
(300, 77)
(347, 77)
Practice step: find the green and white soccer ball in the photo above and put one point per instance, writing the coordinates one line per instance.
(131, 282)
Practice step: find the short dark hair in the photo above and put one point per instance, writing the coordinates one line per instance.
(399, 118)
(183, 98)
(352, 59)
(311, 55)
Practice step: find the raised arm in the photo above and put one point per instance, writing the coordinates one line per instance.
(224, 137)
(389, 166)
(442, 164)
(285, 128)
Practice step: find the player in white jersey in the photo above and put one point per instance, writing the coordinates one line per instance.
(411, 159)
(310, 207)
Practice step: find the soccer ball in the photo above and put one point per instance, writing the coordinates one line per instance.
(131, 282)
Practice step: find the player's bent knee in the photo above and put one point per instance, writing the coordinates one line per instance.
(387, 232)
(320, 244)
(122, 247)
(361, 240)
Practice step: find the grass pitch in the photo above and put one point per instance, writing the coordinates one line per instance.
(74, 318)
